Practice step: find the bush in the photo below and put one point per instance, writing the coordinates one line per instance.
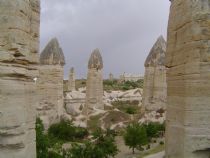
(42, 142)
(135, 136)
(154, 129)
(161, 143)
(131, 110)
(65, 131)
(53, 154)
(148, 147)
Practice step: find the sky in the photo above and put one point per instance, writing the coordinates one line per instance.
(123, 30)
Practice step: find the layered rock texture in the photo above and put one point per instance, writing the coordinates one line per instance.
(19, 43)
(155, 89)
(188, 79)
(71, 82)
(50, 83)
(94, 91)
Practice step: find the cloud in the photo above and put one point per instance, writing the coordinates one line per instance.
(124, 31)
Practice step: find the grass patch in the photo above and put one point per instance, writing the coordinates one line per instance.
(129, 107)
(94, 122)
(155, 150)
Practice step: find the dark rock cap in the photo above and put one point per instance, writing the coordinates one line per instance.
(52, 54)
(95, 61)
(157, 53)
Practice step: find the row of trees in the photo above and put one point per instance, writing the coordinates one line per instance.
(101, 145)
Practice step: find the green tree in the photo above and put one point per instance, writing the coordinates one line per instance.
(135, 136)
(65, 131)
(41, 140)
(154, 129)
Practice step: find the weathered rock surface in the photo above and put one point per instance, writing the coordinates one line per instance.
(71, 82)
(155, 88)
(50, 84)
(114, 120)
(188, 79)
(94, 91)
(129, 95)
(19, 43)
(74, 102)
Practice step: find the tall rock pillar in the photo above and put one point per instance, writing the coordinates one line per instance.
(50, 83)
(155, 89)
(71, 84)
(188, 79)
(19, 44)
(94, 91)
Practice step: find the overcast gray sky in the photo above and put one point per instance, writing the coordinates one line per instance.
(123, 30)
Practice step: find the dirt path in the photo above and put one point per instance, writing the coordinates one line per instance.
(158, 155)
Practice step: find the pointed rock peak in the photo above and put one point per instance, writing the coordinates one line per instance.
(52, 54)
(72, 70)
(95, 60)
(157, 53)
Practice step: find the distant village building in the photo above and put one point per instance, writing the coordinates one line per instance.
(50, 83)
(131, 77)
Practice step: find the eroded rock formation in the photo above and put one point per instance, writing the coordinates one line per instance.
(155, 89)
(50, 83)
(71, 82)
(94, 90)
(19, 43)
(188, 79)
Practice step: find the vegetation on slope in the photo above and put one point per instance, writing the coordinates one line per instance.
(127, 85)
(49, 145)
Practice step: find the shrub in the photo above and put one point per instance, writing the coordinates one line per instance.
(135, 136)
(161, 143)
(65, 131)
(41, 140)
(53, 154)
(130, 110)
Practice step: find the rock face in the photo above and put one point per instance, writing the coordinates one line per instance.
(155, 89)
(188, 79)
(19, 43)
(71, 82)
(50, 83)
(74, 102)
(94, 91)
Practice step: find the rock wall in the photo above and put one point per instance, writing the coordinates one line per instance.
(155, 87)
(19, 43)
(50, 85)
(188, 79)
